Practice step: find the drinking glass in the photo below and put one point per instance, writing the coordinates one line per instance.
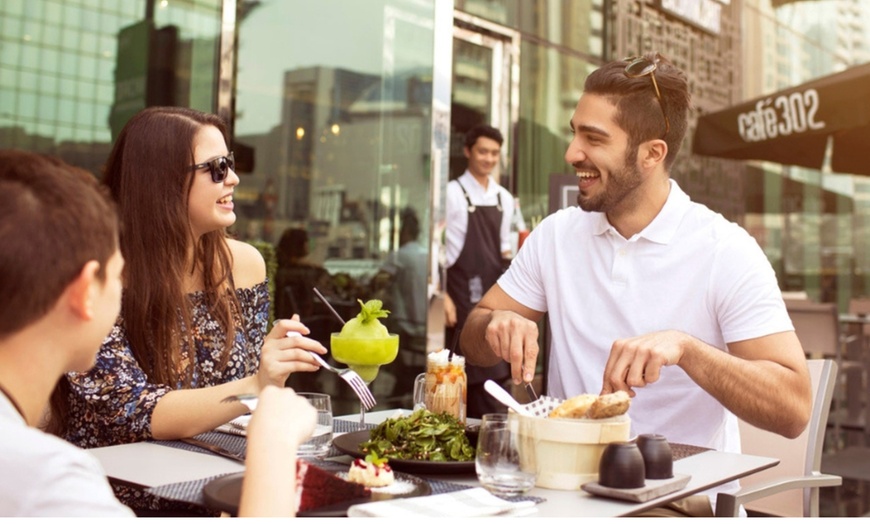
(420, 392)
(365, 356)
(321, 440)
(498, 458)
(446, 386)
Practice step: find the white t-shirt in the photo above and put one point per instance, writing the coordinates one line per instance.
(689, 270)
(457, 212)
(44, 476)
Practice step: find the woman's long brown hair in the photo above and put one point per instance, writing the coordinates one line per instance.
(149, 175)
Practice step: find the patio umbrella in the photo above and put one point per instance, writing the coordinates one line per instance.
(793, 126)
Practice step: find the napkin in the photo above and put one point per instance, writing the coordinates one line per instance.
(475, 502)
(237, 426)
(543, 406)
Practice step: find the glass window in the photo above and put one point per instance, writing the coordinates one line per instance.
(51, 35)
(550, 85)
(53, 13)
(9, 54)
(32, 31)
(576, 25)
(49, 60)
(47, 109)
(7, 103)
(65, 108)
(29, 55)
(72, 15)
(335, 141)
(70, 37)
(26, 105)
(47, 87)
(12, 7)
(67, 51)
(12, 28)
(88, 45)
(27, 81)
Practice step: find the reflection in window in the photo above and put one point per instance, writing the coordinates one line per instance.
(77, 70)
(337, 141)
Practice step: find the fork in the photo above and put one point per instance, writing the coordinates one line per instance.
(530, 391)
(353, 379)
(248, 399)
(367, 400)
(214, 448)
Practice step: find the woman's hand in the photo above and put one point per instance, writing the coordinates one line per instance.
(282, 354)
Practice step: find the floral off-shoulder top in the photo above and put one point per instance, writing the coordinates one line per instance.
(113, 402)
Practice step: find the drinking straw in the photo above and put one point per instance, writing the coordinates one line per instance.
(453, 345)
(334, 312)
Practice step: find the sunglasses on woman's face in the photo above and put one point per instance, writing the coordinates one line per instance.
(218, 167)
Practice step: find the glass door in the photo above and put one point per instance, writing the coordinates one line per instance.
(485, 88)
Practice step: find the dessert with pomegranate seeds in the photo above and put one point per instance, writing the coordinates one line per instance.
(372, 472)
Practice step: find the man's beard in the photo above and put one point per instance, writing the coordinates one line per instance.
(619, 184)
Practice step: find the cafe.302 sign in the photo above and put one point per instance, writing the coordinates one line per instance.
(784, 115)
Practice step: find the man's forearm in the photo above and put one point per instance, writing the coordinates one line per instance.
(473, 339)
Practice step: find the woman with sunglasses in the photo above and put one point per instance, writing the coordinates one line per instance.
(195, 308)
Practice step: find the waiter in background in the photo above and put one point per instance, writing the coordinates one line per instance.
(479, 213)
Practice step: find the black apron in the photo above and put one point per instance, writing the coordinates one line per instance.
(478, 267)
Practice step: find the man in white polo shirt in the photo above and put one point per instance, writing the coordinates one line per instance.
(647, 291)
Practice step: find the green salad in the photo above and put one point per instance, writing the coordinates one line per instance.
(422, 435)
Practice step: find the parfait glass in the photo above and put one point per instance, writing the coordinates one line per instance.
(365, 356)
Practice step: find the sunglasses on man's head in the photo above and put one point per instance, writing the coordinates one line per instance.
(642, 66)
(218, 167)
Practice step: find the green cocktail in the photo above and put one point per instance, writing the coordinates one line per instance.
(364, 355)
(365, 345)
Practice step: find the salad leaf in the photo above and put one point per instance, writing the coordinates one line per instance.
(422, 435)
(372, 458)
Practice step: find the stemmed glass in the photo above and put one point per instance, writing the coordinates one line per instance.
(365, 356)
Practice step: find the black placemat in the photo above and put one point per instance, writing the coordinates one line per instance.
(238, 444)
(191, 491)
(681, 451)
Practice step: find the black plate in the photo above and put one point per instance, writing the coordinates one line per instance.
(349, 443)
(223, 494)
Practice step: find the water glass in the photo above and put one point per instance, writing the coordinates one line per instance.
(420, 392)
(498, 463)
(321, 441)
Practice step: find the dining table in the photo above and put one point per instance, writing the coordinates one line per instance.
(180, 471)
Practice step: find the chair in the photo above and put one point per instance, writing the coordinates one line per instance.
(791, 489)
(857, 410)
(817, 326)
(853, 462)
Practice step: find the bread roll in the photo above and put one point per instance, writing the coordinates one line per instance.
(574, 407)
(609, 405)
